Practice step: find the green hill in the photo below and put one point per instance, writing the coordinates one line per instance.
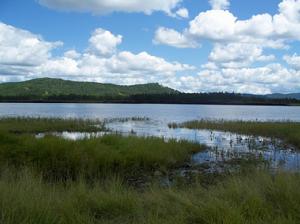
(47, 87)
(46, 90)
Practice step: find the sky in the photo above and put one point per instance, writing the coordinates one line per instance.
(190, 45)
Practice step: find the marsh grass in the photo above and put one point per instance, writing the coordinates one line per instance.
(38, 125)
(57, 181)
(252, 199)
(127, 119)
(287, 131)
(59, 158)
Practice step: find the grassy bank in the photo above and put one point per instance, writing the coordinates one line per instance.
(37, 125)
(287, 131)
(53, 180)
(62, 159)
(258, 198)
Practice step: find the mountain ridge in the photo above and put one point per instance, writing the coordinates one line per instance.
(48, 90)
(49, 87)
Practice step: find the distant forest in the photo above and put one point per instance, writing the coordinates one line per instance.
(47, 90)
(176, 98)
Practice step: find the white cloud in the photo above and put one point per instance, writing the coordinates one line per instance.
(232, 65)
(173, 38)
(260, 80)
(103, 42)
(238, 55)
(290, 9)
(21, 47)
(238, 46)
(101, 61)
(219, 4)
(214, 25)
(108, 6)
(73, 54)
(121, 68)
(293, 60)
(183, 13)
(219, 25)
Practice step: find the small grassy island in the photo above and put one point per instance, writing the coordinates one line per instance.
(119, 179)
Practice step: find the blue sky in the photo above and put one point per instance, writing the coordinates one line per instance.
(155, 44)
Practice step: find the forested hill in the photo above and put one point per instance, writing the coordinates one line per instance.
(63, 91)
(46, 87)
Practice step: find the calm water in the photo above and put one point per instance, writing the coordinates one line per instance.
(223, 146)
(164, 113)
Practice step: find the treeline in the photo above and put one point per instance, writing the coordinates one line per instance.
(178, 98)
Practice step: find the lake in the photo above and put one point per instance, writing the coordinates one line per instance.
(159, 112)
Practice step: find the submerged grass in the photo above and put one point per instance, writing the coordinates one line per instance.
(37, 125)
(287, 131)
(257, 198)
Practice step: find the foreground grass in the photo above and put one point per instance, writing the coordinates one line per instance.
(37, 125)
(62, 159)
(287, 131)
(257, 198)
(52, 180)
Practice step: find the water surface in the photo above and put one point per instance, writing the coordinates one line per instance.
(159, 112)
(223, 146)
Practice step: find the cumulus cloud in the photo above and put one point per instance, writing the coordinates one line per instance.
(73, 54)
(108, 6)
(173, 38)
(214, 25)
(183, 13)
(20, 47)
(219, 25)
(293, 60)
(103, 42)
(24, 55)
(237, 61)
(260, 80)
(290, 10)
(238, 55)
(219, 4)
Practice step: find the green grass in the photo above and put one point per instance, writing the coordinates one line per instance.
(257, 198)
(38, 125)
(62, 159)
(287, 131)
(57, 181)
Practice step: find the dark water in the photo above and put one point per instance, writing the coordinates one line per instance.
(223, 146)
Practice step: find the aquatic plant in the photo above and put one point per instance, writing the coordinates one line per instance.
(41, 124)
(58, 158)
(286, 130)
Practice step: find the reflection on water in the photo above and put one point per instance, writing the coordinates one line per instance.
(73, 135)
(223, 146)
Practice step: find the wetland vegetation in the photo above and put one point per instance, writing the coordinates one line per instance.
(121, 179)
(38, 125)
(287, 131)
